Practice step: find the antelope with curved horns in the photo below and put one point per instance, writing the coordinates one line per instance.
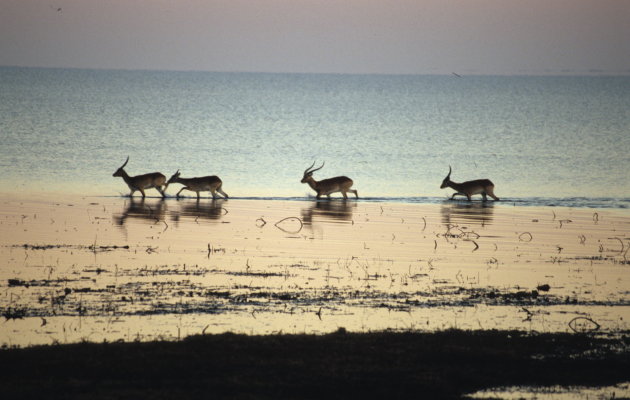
(327, 186)
(140, 182)
(480, 186)
(202, 184)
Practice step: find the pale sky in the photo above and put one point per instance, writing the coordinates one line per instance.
(328, 36)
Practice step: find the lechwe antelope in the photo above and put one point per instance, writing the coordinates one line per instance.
(202, 184)
(480, 186)
(140, 182)
(327, 186)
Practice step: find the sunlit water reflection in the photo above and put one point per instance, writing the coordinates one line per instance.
(130, 269)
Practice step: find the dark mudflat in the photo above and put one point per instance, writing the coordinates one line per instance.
(445, 364)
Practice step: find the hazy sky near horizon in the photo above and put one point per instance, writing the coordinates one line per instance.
(328, 36)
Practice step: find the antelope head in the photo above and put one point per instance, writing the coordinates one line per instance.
(447, 179)
(308, 172)
(120, 171)
(173, 178)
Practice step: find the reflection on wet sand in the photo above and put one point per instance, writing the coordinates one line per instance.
(111, 268)
(150, 211)
(328, 211)
(198, 209)
(456, 213)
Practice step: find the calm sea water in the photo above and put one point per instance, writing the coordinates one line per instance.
(549, 140)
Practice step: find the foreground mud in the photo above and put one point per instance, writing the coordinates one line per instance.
(446, 364)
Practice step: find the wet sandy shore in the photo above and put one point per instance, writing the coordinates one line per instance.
(111, 268)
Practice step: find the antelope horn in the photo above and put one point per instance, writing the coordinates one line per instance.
(306, 171)
(449, 172)
(317, 169)
(123, 166)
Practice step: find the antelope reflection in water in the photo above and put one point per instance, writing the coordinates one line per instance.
(467, 213)
(197, 209)
(149, 211)
(337, 211)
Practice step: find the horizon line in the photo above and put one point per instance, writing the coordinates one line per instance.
(593, 72)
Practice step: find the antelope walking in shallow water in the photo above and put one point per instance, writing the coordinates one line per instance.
(327, 186)
(210, 184)
(480, 186)
(140, 182)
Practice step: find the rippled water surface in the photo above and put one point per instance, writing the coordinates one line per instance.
(540, 137)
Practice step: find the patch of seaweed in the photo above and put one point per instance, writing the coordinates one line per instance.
(91, 247)
(40, 282)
